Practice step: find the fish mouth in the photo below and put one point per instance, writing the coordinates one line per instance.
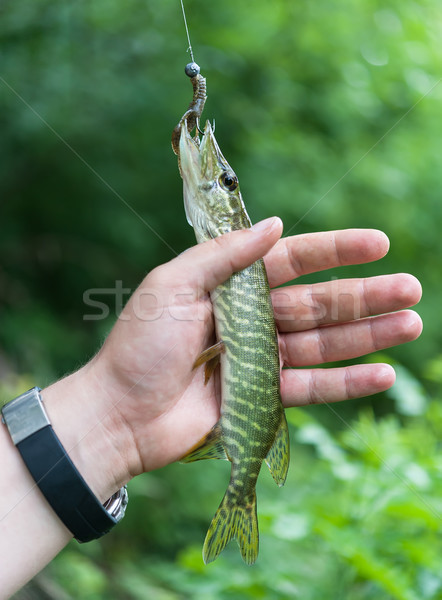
(189, 155)
(202, 159)
(212, 159)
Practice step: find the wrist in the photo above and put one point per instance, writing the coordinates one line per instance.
(88, 427)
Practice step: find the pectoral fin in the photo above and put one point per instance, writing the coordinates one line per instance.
(210, 446)
(211, 358)
(278, 457)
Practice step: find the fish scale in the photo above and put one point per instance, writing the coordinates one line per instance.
(252, 427)
(248, 373)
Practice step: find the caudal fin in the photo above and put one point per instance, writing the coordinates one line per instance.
(233, 521)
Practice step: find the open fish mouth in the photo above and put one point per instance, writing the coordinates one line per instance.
(200, 156)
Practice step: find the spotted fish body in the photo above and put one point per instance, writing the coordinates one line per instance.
(252, 427)
(251, 406)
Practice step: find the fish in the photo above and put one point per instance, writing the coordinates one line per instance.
(252, 428)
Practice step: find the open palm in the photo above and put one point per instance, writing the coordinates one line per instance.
(168, 322)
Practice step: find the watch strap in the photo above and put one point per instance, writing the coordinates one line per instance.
(55, 474)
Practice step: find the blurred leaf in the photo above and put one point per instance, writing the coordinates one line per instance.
(408, 393)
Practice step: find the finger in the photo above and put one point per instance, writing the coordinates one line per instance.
(205, 266)
(317, 386)
(301, 254)
(349, 340)
(302, 307)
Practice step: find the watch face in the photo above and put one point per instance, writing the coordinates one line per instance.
(116, 504)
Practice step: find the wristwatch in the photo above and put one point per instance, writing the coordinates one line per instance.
(55, 474)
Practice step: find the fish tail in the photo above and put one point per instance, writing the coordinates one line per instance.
(235, 519)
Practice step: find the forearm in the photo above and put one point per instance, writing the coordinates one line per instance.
(30, 532)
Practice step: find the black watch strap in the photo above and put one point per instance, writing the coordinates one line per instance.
(54, 472)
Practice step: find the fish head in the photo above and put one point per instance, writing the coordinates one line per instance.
(212, 197)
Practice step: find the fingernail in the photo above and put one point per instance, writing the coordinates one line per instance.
(267, 224)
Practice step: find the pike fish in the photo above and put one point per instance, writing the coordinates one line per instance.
(252, 427)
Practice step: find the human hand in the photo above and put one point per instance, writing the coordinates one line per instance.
(153, 407)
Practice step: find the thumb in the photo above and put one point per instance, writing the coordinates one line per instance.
(207, 265)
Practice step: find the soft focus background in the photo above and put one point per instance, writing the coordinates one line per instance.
(330, 113)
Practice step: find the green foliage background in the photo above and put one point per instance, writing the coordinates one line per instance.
(329, 112)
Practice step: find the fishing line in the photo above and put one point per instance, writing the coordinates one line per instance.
(189, 49)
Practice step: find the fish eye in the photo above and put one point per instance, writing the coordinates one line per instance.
(229, 181)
